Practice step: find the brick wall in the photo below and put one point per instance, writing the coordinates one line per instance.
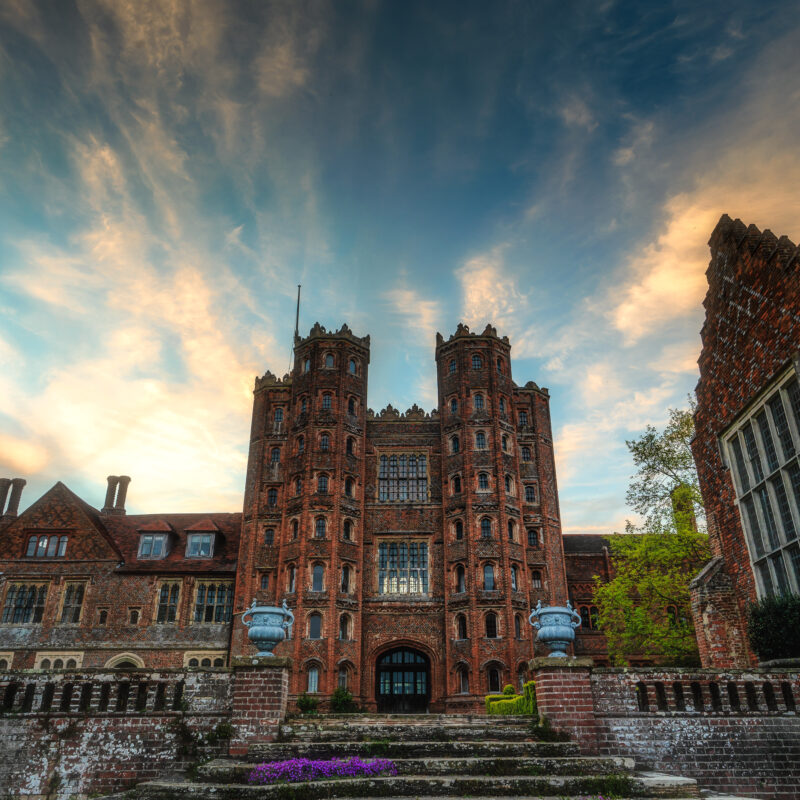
(734, 731)
(71, 734)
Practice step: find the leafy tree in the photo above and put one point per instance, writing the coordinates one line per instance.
(645, 609)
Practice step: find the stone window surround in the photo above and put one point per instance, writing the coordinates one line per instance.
(52, 655)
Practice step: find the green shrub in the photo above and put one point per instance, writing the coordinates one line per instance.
(517, 705)
(544, 731)
(342, 702)
(307, 703)
(491, 698)
(773, 627)
(509, 689)
(529, 697)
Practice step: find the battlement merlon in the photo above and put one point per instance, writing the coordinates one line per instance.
(320, 332)
(270, 380)
(463, 331)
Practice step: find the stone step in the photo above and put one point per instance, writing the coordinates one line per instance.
(278, 751)
(404, 732)
(228, 771)
(408, 719)
(637, 785)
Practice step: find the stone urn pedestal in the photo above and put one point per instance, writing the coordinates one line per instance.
(267, 626)
(555, 626)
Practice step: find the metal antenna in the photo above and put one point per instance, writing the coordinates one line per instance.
(296, 330)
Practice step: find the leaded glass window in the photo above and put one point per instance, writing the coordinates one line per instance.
(403, 567)
(214, 602)
(403, 478)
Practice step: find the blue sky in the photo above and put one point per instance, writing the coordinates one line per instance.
(169, 172)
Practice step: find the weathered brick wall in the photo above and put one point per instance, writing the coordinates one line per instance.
(734, 731)
(751, 333)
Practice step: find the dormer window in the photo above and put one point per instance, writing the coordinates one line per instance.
(46, 546)
(200, 545)
(153, 545)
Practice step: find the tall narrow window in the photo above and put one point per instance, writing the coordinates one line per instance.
(264, 581)
(328, 361)
(317, 575)
(486, 528)
(320, 528)
(313, 678)
(275, 456)
(454, 444)
(342, 681)
(403, 567)
(452, 366)
(530, 494)
(345, 585)
(348, 487)
(536, 579)
(504, 443)
(517, 627)
(454, 406)
(278, 415)
(461, 581)
(324, 443)
(502, 405)
(168, 603)
(73, 603)
(303, 405)
(459, 529)
(463, 680)
(269, 536)
(461, 627)
(344, 627)
(307, 365)
(523, 419)
(511, 530)
(491, 626)
(347, 530)
(514, 578)
(526, 453)
(322, 484)
(478, 402)
(499, 366)
(351, 406)
(291, 575)
(533, 537)
(272, 497)
(314, 627)
(480, 440)
(326, 401)
(477, 363)
(483, 480)
(488, 578)
(456, 484)
(352, 366)
(508, 484)
(348, 446)
(295, 529)
(298, 487)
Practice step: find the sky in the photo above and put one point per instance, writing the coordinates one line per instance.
(170, 171)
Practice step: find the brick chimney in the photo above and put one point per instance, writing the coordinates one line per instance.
(108, 506)
(122, 491)
(17, 485)
(5, 485)
(116, 493)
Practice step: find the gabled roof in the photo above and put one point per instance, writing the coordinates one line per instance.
(155, 526)
(206, 525)
(584, 542)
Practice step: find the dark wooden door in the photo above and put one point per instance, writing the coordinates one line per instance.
(402, 682)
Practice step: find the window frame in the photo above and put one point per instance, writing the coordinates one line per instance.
(162, 538)
(199, 536)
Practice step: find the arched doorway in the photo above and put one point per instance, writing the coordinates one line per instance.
(403, 682)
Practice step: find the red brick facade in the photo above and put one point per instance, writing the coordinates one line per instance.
(751, 337)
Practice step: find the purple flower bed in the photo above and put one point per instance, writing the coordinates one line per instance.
(296, 770)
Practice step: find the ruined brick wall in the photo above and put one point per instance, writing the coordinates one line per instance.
(751, 333)
(77, 734)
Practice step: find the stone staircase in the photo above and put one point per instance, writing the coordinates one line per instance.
(436, 756)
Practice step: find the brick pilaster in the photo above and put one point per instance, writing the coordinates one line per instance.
(564, 697)
(260, 692)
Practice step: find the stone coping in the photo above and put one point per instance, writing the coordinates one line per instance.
(571, 662)
(271, 662)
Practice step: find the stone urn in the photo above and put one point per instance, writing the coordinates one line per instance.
(267, 626)
(556, 627)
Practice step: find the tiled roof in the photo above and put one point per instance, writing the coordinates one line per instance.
(584, 543)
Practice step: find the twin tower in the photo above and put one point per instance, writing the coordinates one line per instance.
(410, 547)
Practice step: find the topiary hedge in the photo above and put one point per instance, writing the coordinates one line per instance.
(773, 627)
(507, 705)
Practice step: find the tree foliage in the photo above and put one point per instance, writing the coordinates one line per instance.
(645, 609)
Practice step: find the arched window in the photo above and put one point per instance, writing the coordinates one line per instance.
(478, 402)
(344, 627)
(352, 366)
(486, 528)
(480, 440)
(351, 406)
(326, 401)
(461, 581)
(272, 497)
(347, 530)
(463, 680)
(456, 485)
(324, 442)
(265, 581)
(491, 625)
(504, 443)
(275, 457)
(517, 627)
(329, 361)
(522, 677)
(514, 578)
(295, 529)
(317, 578)
(301, 444)
(278, 415)
(454, 406)
(315, 626)
(322, 484)
(298, 486)
(477, 362)
(345, 585)
(585, 619)
(672, 616)
(269, 536)
(348, 446)
(502, 405)
(508, 484)
(526, 453)
(303, 405)
(348, 487)
(511, 530)
(594, 617)
(461, 626)
(307, 365)
(483, 480)
(488, 578)
(530, 494)
(313, 680)
(459, 529)
(343, 676)
(454, 444)
(533, 537)
(523, 419)
(536, 579)
(320, 528)
(452, 366)
(499, 366)
(291, 574)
